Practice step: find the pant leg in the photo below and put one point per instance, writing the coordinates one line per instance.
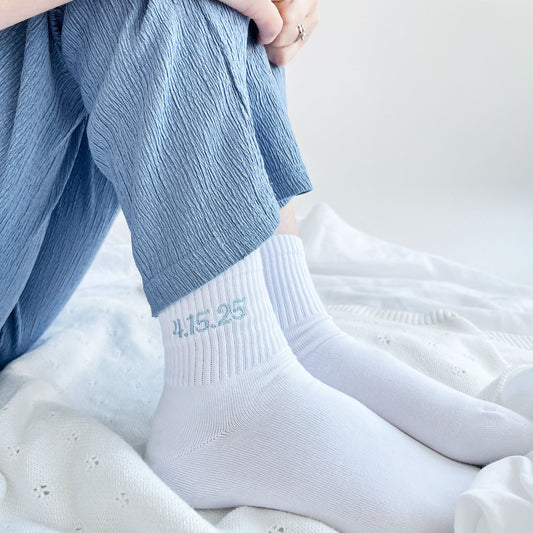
(77, 228)
(40, 115)
(268, 100)
(171, 126)
(55, 205)
(87, 197)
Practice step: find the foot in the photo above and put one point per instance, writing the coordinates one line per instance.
(277, 437)
(454, 424)
(242, 422)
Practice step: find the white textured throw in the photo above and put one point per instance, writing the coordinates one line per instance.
(75, 411)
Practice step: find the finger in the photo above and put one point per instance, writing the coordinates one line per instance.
(266, 16)
(281, 55)
(291, 19)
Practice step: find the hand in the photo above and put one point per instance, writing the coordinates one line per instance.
(15, 11)
(277, 22)
(293, 12)
(265, 15)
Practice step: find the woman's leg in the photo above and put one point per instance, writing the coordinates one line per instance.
(77, 227)
(39, 139)
(44, 120)
(171, 125)
(239, 421)
(460, 427)
(55, 206)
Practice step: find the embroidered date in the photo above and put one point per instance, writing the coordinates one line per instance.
(201, 321)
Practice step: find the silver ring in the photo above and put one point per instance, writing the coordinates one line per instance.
(301, 33)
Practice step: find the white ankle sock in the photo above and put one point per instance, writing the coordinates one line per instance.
(461, 427)
(241, 422)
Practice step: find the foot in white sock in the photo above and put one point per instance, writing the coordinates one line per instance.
(455, 424)
(241, 422)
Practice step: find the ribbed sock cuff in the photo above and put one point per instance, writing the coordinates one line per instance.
(288, 280)
(221, 329)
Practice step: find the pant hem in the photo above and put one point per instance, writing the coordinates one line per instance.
(183, 277)
(289, 182)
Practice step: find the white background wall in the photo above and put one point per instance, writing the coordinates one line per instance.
(415, 121)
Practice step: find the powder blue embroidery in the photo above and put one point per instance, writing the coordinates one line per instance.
(200, 322)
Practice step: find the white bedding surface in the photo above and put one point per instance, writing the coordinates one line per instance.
(75, 410)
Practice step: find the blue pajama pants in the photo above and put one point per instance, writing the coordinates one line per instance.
(167, 109)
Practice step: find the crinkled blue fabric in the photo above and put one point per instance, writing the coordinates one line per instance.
(167, 109)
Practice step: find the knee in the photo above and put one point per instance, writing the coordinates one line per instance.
(121, 29)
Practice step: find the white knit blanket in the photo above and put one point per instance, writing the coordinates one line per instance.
(75, 411)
